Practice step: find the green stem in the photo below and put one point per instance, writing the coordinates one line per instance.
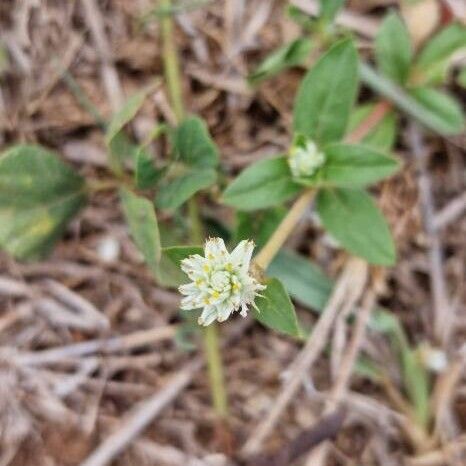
(215, 365)
(171, 63)
(210, 334)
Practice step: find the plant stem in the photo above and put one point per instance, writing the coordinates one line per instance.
(210, 334)
(215, 365)
(273, 245)
(171, 63)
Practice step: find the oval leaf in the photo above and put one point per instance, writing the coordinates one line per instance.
(326, 95)
(142, 222)
(355, 165)
(263, 184)
(177, 191)
(194, 145)
(442, 108)
(39, 195)
(305, 282)
(393, 49)
(276, 311)
(353, 219)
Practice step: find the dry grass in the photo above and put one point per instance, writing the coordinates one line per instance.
(89, 364)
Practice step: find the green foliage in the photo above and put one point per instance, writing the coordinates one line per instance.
(353, 219)
(292, 54)
(118, 145)
(263, 184)
(326, 95)
(352, 165)
(193, 144)
(175, 192)
(383, 135)
(146, 175)
(276, 311)
(142, 222)
(441, 47)
(302, 279)
(39, 195)
(462, 78)
(356, 165)
(444, 110)
(329, 9)
(393, 49)
(259, 225)
(177, 253)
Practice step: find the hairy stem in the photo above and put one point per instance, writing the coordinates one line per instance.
(210, 334)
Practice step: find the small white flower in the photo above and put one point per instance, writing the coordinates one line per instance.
(221, 282)
(304, 158)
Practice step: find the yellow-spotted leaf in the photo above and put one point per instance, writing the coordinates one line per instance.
(39, 195)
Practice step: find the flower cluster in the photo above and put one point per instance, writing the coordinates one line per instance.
(304, 158)
(221, 282)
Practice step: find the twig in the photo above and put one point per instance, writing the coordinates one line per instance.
(109, 74)
(141, 416)
(443, 313)
(314, 346)
(109, 345)
(327, 428)
(451, 212)
(340, 388)
(145, 412)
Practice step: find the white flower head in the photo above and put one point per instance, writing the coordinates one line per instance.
(221, 282)
(304, 157)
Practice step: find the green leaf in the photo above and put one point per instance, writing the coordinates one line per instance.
(194, 145)
(118, 144)
(303, 280)
(403, 100)
(177, 253)
(177, 191)
(352, 218)
(329, 9)
(326, 95)
(276, 311)
(264, 184)
(146, 174)
(449, 40)
(355, 165)
(289, 55)
(259, 225)
(443, 109)
(393, 49)
(383, 135)
(416, 381)
(39, 195)
(142, 222)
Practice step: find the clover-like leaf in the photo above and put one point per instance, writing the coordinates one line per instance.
(39, 195)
